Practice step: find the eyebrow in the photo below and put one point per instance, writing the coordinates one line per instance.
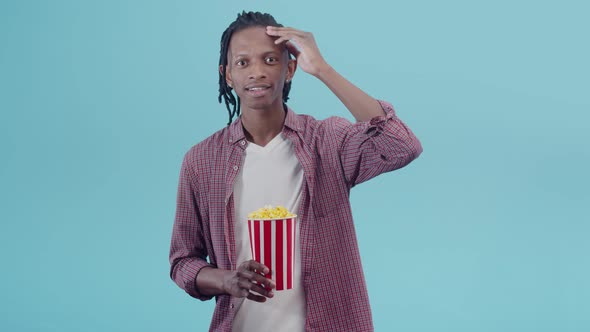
(273, 52)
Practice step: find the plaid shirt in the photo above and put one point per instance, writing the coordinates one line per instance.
(335, 155)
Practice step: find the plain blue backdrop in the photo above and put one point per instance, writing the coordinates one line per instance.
(487, 231)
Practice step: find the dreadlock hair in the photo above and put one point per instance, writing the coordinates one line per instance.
(244, 20)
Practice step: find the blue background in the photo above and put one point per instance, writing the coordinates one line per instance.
(487, 231)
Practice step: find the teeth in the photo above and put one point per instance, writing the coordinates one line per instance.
(256, 89)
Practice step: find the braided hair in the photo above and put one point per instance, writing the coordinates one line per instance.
(244, 20)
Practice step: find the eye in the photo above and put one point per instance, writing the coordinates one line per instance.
(240, 63)
(270, 59)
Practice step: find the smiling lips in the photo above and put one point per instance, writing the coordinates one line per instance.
(257, 89)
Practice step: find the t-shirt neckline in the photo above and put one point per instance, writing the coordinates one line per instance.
(269, 146)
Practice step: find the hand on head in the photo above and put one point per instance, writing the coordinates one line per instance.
(303, 46)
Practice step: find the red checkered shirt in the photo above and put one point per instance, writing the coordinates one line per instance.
(335, 155)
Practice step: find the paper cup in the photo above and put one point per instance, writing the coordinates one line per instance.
(272, 242)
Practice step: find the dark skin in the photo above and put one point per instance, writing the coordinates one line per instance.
(258, 67)
(245, 282)
(257, 71)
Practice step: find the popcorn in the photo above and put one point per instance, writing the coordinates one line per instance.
(272, 236)
(268, 212)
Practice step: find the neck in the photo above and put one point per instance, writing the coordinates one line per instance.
(261, 126)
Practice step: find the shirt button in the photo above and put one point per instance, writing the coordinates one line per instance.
(231, 305)
(243, 142)
(235, 168)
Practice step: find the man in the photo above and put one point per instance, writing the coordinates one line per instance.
(271, 155)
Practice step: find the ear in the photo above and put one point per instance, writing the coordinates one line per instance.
(291, 68)
(228, 79)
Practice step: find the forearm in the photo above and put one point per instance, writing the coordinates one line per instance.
(362, 106)
(210, 281)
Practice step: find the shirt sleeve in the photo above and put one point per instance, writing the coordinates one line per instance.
(187, 249)
(369, 148)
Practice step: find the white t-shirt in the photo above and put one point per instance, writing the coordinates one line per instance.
(270, 175)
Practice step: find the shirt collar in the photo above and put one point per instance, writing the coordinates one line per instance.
(292, 121)
(236, 131)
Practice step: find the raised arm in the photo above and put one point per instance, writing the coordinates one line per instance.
(379, 142)
(303, 46)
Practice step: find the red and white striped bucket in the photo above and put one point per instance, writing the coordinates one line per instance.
(272, 242)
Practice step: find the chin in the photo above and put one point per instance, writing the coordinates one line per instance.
(260, 104)
(257, 105)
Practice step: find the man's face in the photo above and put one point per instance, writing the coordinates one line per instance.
(257, 68)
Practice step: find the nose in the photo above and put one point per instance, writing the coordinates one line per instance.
(257, 71)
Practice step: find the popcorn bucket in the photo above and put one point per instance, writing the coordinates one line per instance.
(272, 242)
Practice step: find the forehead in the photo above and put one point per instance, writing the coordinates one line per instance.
(253, 40)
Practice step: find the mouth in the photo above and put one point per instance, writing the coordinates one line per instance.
(257, 90)
(257, 87)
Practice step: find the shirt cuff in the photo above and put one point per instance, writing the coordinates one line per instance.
(193, 268)
(376, 123)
